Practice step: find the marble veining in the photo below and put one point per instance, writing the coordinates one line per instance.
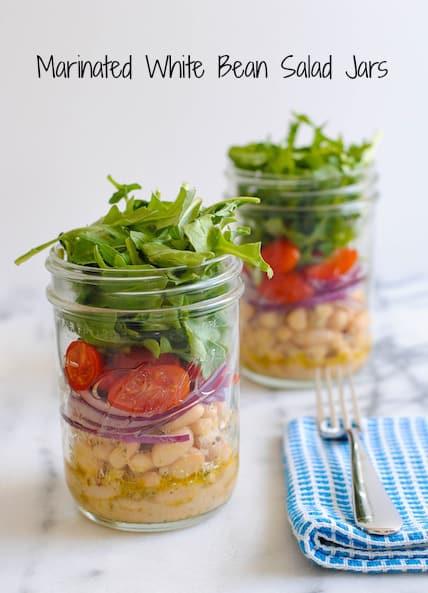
(46, 545)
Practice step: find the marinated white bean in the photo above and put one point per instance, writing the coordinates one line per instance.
(185, 420)
(166, 481)
(167, 453)
(304, 338)
(141, 462)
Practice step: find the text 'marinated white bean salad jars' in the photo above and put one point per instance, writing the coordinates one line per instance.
(146, 312)
(315, 224)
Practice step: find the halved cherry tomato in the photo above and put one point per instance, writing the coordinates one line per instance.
(335, 266)
(136, 356)
(288, 289)
(150, 389)
(82, 365)
(282, 256)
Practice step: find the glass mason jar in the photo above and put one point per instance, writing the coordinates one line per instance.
(150, 440)
(314, 311)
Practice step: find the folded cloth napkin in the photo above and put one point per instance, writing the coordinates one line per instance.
(319, 496)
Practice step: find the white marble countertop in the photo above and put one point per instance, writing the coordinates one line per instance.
(47, 546)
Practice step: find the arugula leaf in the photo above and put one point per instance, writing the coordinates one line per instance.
(112, 215)
(133, 253)
(153, 346)
(289, 159)
(228, 207)
(163, 256)
(22, 258)
(251, 156)
(145, 239)
(122, 190)
(310, 171)
(98, 330)
(207, 340)
(248, 252)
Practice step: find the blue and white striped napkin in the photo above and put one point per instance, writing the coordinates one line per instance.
(319, 496)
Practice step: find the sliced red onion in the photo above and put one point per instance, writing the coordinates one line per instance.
(213, 380)
(146, 439)
(217, 396)
(104, 408)
(325, 295)
(77, 407)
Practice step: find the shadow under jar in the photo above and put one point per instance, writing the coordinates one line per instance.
(316, 234)
(149, 390)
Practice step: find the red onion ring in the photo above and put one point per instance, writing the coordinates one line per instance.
(145, 439)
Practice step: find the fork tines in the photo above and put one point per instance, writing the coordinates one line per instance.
(344, 383)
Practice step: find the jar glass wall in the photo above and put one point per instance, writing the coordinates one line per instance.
(150, 438)
(314, 312)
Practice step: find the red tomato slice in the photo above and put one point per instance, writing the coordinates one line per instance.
(335, 266)
(137, 356)
(150, 389)
(282, 256)
(82, 365)
(288, 289)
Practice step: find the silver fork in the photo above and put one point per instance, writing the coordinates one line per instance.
(373, 509)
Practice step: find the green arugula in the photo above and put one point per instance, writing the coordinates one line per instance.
(157, 235)
(323, 164)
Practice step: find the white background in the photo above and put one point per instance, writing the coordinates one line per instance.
(60, 138)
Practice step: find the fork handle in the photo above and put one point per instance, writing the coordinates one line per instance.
(373, 508)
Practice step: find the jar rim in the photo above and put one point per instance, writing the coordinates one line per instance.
(60, 266)
(64, 272)
(303, 185)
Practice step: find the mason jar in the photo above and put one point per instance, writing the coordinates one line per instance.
(150, 433)
(314, 312)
